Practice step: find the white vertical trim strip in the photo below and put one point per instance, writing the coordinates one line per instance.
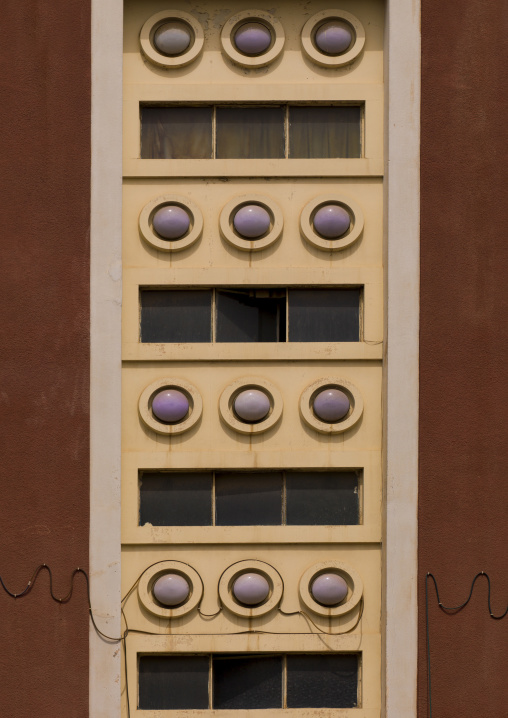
(402, 267)
(105, 380)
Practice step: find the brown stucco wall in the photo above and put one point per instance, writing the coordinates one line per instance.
(44, 300)
(463, 490)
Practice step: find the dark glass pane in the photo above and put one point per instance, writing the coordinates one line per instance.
(173, 682)
(251, 315)
(247, 683)
(324, 315)
(170, 499)
(324, 132)
(322, 681)
(177, 133)
(176, 315)
(322, 498)
(250, 132)
(246, 499)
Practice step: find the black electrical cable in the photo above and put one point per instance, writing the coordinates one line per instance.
(328, 633)
(123, 637)
(450, 610)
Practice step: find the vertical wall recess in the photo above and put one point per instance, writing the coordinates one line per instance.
(252, 214)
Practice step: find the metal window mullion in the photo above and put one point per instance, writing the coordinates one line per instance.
(287, 314)
(286, 133)
(214, 316)
(361, 315)
(284, 681)
(210, 681)
(214, 132)
(213, 498)
(284, 493)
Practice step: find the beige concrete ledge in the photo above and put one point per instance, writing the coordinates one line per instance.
(287, 351)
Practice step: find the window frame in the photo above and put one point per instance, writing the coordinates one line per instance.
(253, 655)
(214, 313)
(283, 502)
(371, 95)
(286, 124)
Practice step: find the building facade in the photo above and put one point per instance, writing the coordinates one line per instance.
(407, 480)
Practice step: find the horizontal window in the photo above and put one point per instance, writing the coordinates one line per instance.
(248, 682)
(250, 132)
(250, 315)
(245, 498)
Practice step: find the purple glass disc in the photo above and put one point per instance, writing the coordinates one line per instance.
(172, 38)
(331, 221)
(251, 221)
(251, 588)
(171, 589)
(328, 589)
(331, 405)
(170, 405)
(171, 221)
(253, 38)
(252, 405)
(333, 37)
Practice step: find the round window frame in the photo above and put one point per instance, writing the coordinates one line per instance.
(251, 245)
(168, 62)
(145, 406)
(252, 61)
(151, 575)
(331, 245)
(229, 394)
(321, 58)
(151, 237)
(355, 399)
(351, 577)
(228, 578)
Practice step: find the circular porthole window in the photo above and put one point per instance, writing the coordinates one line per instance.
(331, 222)
(331, 406)
(170, 589)
(171, 39)
(251, 405)
(331, 588)
(250, 588)
(170, 406)
(253, 38)
(251, 222)
(170, 223)
(333, 38)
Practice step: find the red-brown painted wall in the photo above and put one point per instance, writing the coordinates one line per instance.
(463, 495)
(44, 361)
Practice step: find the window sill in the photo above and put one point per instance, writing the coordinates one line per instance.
(341, 167)
(250, 352)
(150, 535)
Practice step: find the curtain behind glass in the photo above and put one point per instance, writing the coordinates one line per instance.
(321, 132)
(176, 133)
(250, 133)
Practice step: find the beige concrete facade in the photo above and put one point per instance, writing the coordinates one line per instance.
(290, 367)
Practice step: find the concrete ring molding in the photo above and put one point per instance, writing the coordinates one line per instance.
(231, 392)
(170, 245)
(252, 61)
(354, 414)
(351, 577)
(321, 58)
(145, 406)
(231, 236)
(352, 235)
(169, 62)
(148, 579)
(250, 566)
